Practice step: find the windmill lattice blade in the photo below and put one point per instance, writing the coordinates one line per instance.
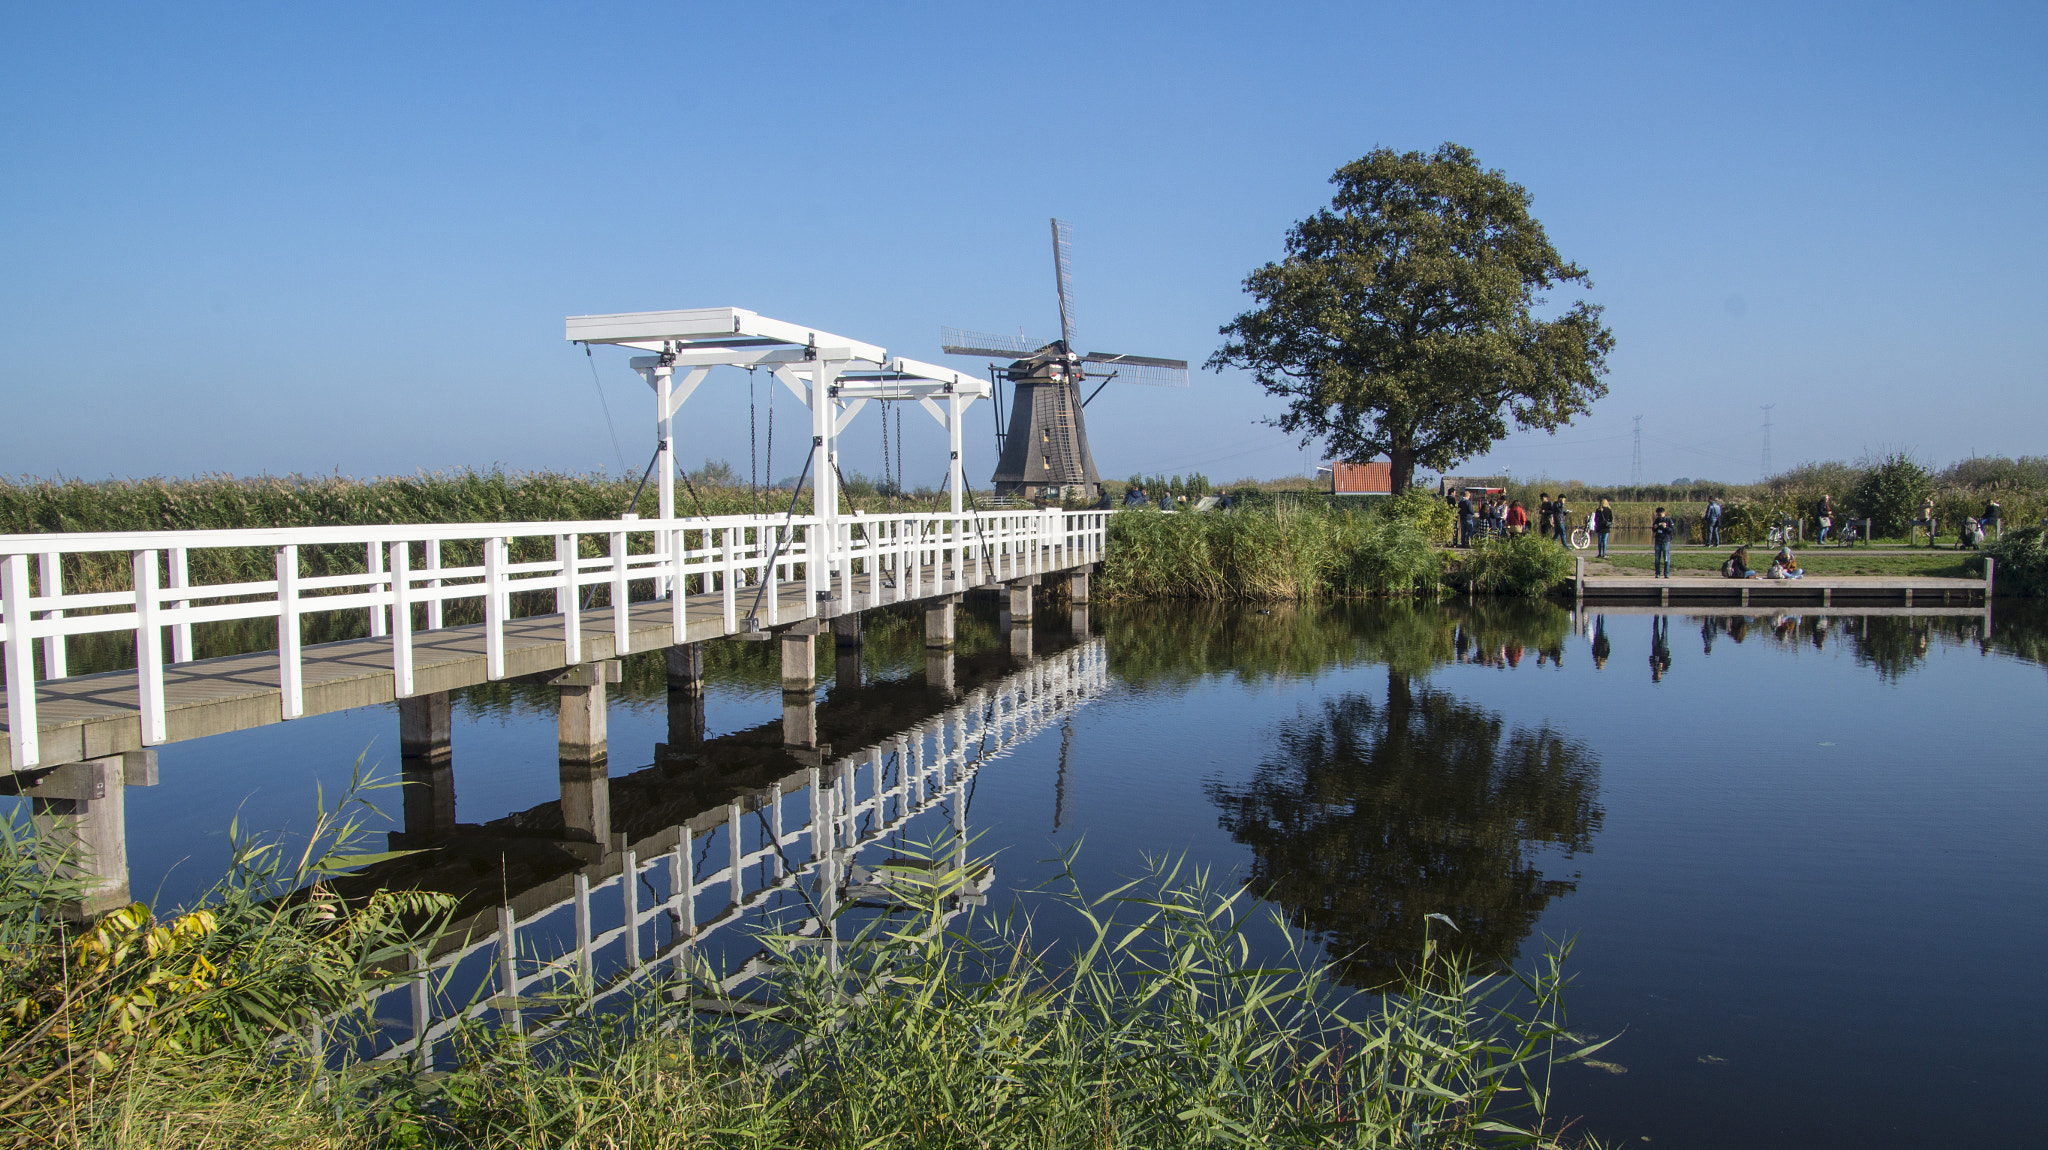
(954, 341)
(1063, 271)
(1142, 369)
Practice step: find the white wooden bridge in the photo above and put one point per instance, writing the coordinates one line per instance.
(438, 607)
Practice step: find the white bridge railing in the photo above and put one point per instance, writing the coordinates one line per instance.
(729, 570)
(809, 826)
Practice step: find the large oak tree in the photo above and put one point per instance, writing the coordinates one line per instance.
(1403, 320)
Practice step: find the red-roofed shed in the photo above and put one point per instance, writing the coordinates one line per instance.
(1362, 478)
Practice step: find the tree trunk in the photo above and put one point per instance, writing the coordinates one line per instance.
(1402, 460)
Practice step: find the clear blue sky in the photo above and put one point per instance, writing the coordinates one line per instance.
(307, 238)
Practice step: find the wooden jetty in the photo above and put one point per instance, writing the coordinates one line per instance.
(1909, 594)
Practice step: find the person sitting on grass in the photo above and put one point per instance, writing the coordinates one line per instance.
(1737, 566)
(1788, 563)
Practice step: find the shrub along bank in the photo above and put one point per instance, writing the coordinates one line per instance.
(1299, 553)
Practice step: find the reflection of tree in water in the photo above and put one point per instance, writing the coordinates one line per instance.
(1367, 818)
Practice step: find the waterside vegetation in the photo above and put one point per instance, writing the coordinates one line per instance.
(1175, 1021)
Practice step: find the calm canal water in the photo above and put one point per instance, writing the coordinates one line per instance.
(1802, 858)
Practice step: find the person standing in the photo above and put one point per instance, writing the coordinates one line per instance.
(1661, 529)
(1561, 518)
(1517, 519)
(1603, 522)
(1467, 519)
(1824, 514)
(1711, 535)
(1543, 515)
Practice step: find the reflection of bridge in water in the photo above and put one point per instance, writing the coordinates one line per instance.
(640, 875)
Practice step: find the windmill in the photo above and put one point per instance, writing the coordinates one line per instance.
(1045, 447)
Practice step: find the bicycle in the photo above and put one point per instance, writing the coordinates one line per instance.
(1581, 538)
(1785, 534)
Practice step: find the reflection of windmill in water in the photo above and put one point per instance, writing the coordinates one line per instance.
(1045, 445)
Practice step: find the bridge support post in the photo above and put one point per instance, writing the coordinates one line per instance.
(425, 726)
(580, 729)
(799, 662)
(1020, 599)
(586, 802)
(428, 803)
(85, 805)
(686, 668)
(685, 726)
(939, 623)
(1021, 640)
(940, 672)
(846, 629)
(800, 720)
(1077, 585)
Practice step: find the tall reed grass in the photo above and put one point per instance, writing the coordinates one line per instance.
(1276, 552)
(1183, 1016)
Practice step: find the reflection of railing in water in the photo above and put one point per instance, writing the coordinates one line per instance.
(847, 804)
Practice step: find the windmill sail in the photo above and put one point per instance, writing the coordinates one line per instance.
(1145, 369)
(954, 341)
(1063, 274)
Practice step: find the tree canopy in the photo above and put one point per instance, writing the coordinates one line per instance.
(1402, 321)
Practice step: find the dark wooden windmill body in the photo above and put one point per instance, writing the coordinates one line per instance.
(1045, 451)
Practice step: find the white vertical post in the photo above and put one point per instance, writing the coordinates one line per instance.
(622, 618)
(665, 460)
(679, 590)
(664, 400)
(956, 471)
(685, 869)
(149, 650)
(508, 966)
(775, 827)
(728, 568)
(495, 605)
(422, 1009)
(374, 560)
(21, 662)
(629, 894)
(825, 485)
(733, 869)
(181, 578)
(50, 569)
(584, 974)
(568, 603)
(401, 620)
(434, 604)
(290, 675)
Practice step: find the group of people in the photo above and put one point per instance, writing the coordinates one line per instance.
(1490, 514)
(1784, 565)
(1134, 496)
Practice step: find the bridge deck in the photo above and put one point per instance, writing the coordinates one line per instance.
(91, 716)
